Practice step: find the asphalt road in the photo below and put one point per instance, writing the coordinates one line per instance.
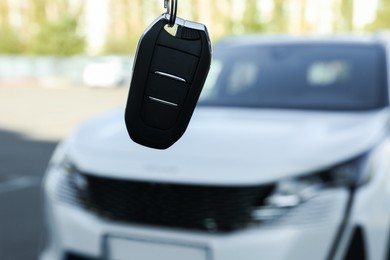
(32, 121)
(22, 163)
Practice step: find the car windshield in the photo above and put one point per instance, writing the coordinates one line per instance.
(322, 76)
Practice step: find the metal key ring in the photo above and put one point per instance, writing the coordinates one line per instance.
(172, 11)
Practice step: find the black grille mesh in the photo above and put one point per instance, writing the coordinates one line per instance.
(207, 208)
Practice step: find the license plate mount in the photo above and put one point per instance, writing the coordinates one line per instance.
(125, 248)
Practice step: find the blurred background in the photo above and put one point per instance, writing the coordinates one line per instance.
(62, 61)
(59, 41)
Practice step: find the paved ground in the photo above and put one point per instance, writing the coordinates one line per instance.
(32, 120)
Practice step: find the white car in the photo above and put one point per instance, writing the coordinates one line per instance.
(106, 72)
(287, 157)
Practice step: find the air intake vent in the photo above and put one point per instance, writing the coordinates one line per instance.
(205, 208)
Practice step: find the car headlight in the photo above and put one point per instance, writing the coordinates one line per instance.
(291, 193)
(60, 167)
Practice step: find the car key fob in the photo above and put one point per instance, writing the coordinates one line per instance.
(168, 76)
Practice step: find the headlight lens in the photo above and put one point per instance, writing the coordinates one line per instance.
(290, 193)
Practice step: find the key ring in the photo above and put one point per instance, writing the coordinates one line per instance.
(172, 11)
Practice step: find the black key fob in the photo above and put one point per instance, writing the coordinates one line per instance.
(168, 76)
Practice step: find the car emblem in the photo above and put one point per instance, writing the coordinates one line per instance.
(210, 224)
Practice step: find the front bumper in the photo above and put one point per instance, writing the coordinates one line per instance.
(306, 232)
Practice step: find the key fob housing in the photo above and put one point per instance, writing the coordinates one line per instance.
(168, 76)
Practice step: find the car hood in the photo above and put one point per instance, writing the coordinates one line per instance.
(229, 146)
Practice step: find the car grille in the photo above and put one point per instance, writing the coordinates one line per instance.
(205, 208)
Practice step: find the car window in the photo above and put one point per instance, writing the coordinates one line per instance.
(303, 77)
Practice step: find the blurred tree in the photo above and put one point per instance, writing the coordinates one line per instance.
(125, 26)
(38, 12)
(135, 16)
(304, 26)
(4, 13)
(346, 15)
(382, 21)
(225, 18)
(10, 42)
(58, 34)
(123, 45)
(251, 20)
(278, 23)
(58, 38)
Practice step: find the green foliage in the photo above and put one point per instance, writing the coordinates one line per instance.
(382, 21)
(52, 27)
(10, 42)
(251, 22)
(278, 23)
(347, 15)
(228, 25)
(120, 46)
(58, 38)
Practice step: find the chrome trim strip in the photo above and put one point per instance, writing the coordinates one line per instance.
(163, 102)
(170, 76)
(185, 23)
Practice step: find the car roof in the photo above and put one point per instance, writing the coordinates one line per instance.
(338, 39)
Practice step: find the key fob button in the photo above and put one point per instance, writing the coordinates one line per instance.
(183, 44)
(159, 113)
(189, 34)
(167, 89)
(174, 62)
